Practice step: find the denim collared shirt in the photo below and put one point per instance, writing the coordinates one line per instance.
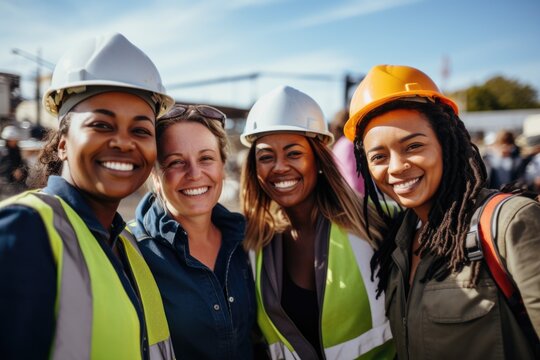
(210, 313)
(28, 283)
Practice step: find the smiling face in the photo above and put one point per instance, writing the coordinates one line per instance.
(110, 147)
(404, 158)
(286, 169)
(191, 172)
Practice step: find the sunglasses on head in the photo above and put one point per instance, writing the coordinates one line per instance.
(204, 110)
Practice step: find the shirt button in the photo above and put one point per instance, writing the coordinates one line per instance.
(216, 307)
(231, 299)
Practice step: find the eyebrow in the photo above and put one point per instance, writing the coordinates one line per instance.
(286, 147)
(200, 152)
(401, 141)
(113, 114)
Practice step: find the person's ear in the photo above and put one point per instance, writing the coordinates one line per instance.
(62, 148)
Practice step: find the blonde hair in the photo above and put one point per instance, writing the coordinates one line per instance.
(335, 200)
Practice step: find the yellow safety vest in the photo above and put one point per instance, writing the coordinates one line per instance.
(353, 321)
(95, 319)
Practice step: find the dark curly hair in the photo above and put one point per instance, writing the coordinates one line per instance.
(48, 162)
(464, 175)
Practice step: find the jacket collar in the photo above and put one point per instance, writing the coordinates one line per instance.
(406, 230)
(155, 222)
(56, 185)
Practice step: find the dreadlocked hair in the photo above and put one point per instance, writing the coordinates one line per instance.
(464, 175)
(335, 200)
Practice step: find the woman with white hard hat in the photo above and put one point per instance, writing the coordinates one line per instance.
(74, 284)
(441, 289)
(311, 245)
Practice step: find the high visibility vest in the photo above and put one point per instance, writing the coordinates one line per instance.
(353, 321)
(95, 318)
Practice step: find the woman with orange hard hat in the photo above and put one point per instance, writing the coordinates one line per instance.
(440, 297)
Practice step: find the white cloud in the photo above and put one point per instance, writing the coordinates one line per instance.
(346, 10)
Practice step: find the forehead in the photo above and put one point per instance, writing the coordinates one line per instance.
(399, 122)
(280, 140)
(187, 135)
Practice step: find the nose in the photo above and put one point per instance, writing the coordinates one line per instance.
(398, 164)
(281, 165)
(122, 141)
(194, 172)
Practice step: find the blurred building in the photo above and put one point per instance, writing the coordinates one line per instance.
(10, 96)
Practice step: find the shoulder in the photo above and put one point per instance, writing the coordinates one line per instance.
(19, 217)
(223, 217)
(520, 207)
(23, 236)
(518, 224)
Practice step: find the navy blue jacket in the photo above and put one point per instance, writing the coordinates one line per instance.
(28, 272)
(211, 313)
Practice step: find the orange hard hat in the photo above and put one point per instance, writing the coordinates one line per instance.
(385, 83)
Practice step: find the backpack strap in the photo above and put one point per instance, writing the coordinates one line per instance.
(481, 242)
(489, 214)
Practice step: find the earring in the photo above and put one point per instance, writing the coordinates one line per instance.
(320, 171)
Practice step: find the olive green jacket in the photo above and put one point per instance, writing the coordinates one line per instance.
(449, 319)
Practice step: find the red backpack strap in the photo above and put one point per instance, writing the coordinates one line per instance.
(487, 234)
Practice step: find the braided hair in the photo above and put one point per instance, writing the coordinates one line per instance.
(454, 202)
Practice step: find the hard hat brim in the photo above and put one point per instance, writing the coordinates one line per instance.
(349, 129)
(52, 108)
(249, 138)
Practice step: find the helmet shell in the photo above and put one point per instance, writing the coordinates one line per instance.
(12, 132)
(106, 60)
(285, 109)
(385, 83)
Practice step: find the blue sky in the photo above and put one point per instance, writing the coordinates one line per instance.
(207, 39)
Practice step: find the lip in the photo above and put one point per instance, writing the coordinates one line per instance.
(121, 166)
(195, 191)
(284, 184)
(406, 186)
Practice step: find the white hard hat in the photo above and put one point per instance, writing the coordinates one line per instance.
(285, 109)
(107, 60)
(531, 130)
(12, 132)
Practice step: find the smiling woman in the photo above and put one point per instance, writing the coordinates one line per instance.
(311, 244)
(74, 284)
(442, 303)
(192, 243)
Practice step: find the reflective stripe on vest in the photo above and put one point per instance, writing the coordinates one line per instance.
(95, 317)
(362, 333)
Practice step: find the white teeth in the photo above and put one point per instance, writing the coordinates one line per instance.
(196, 191)
(406, 184)
(120, 166)
(285, 184)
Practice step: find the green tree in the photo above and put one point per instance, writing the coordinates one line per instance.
(499, 93)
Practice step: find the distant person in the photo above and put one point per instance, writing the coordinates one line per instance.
(73, 284)
(531, 162)
(311, 244)
(13, 169)
(343, 150)
(192, 243)
(503, 160)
